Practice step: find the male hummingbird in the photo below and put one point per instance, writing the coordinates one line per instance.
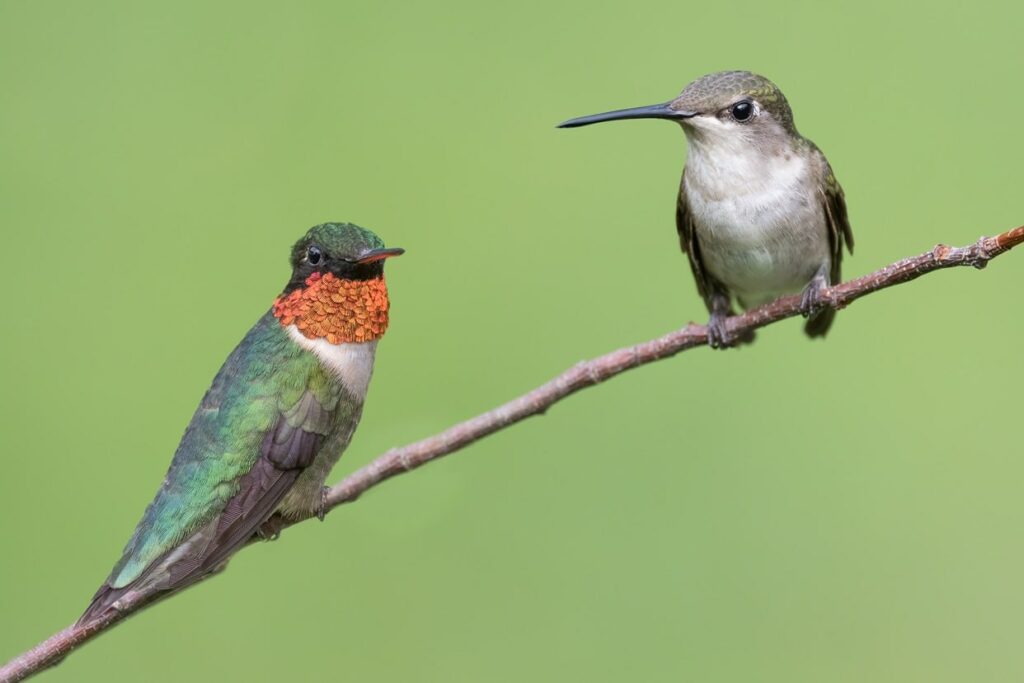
(760, 213)
(277, 417)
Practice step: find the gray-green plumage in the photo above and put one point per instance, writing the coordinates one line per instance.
(264, 437)
(759, 213)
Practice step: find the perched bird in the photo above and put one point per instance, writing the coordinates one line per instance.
(279, 414)
(760, 213)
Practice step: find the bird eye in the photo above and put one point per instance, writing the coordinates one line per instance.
(314, 255)
(741, 111)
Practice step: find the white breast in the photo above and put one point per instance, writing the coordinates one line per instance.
(761, 230)
(351, 363)
(744, 193)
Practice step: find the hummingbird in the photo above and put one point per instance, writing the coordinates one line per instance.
(760, 213)
(277, 417)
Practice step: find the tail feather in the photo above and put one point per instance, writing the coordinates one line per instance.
(104, 599)
(819, 324)
(107, 595)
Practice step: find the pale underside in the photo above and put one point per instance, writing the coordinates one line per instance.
(352, 365)
(757, 214)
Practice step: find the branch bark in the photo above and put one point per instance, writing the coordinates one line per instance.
(585, 374)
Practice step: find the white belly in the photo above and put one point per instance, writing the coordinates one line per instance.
(762, 234)
(350, 363)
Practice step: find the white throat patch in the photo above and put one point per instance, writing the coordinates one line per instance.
(352, 363)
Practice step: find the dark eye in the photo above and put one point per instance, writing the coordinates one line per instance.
(314, 255)
(741, 111)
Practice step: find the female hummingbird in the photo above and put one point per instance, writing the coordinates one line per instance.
(760, 213)
(279, 414)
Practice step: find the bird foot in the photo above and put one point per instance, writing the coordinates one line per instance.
(814, 299)
(719, 336)
(321, 509)
(271, 529)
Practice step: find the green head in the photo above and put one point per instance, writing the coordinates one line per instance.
(345, 250)
(726, 103)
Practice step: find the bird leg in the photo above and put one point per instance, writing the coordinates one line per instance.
(270, 530)
(321, 509)
(718, 333)
(814, 300)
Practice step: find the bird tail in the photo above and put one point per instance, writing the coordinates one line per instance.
(101, 602)
(819, 323)
(746, 338)
(107, 595)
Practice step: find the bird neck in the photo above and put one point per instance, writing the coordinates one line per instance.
(335, 309)
(733, 168)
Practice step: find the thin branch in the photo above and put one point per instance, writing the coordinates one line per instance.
(583, 375)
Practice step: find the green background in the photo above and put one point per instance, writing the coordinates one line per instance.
(796, 511)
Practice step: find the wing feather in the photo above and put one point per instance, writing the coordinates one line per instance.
(706, 285)
(837, 222)
(251, 437)
(833, 203)
(285, 451)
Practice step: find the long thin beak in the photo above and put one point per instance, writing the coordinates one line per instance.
(379, 255)
(653, 111)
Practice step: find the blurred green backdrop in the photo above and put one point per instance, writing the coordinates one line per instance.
(796, 511)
